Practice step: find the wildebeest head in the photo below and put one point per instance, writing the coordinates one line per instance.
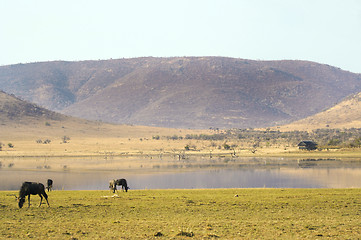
(21, 202)
(22, 194)
(111, 184)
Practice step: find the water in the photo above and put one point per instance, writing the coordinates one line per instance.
(241, 173)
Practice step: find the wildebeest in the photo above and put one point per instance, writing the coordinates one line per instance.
(31, 188)
(120, 182)
(50, 185)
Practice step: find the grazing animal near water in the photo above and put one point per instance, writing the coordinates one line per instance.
(120, 182)
(31, 188)
(50, 185)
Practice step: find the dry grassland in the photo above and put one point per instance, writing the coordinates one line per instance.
(87, 138)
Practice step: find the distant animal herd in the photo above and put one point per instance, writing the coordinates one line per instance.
(35, 188)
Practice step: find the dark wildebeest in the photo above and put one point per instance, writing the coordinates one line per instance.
(50, 185)
(120, 182)
(31, 188)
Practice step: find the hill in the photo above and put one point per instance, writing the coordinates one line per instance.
(182, 92)
(346, 114)
(14, 111)
(21, 120)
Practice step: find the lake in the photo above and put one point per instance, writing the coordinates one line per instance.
(186, 174)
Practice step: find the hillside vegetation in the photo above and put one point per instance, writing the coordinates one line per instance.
(182, 92)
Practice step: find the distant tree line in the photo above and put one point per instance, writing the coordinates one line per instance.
(326, 138)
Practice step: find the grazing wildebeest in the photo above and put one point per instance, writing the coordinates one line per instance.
(120, 182)
(31, 188)
(50, 185)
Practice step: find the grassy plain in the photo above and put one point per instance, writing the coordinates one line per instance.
(186, 214)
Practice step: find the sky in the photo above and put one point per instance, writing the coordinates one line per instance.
(324, 31)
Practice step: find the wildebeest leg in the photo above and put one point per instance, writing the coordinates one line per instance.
(46, 198)
(29, 200)
(41, 199)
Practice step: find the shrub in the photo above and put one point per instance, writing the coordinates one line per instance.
(226, 146)
(65, 139)
(175, 137)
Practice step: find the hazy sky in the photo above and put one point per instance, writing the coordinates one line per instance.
(324, 31)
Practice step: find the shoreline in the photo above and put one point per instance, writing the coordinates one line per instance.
(339, 153)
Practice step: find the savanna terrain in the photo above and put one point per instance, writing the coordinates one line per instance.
(29, 134)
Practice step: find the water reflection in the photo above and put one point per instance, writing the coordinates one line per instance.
(248, 173)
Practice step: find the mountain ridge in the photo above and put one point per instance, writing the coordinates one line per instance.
(183, 92)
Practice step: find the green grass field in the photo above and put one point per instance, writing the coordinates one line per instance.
(186, 214)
